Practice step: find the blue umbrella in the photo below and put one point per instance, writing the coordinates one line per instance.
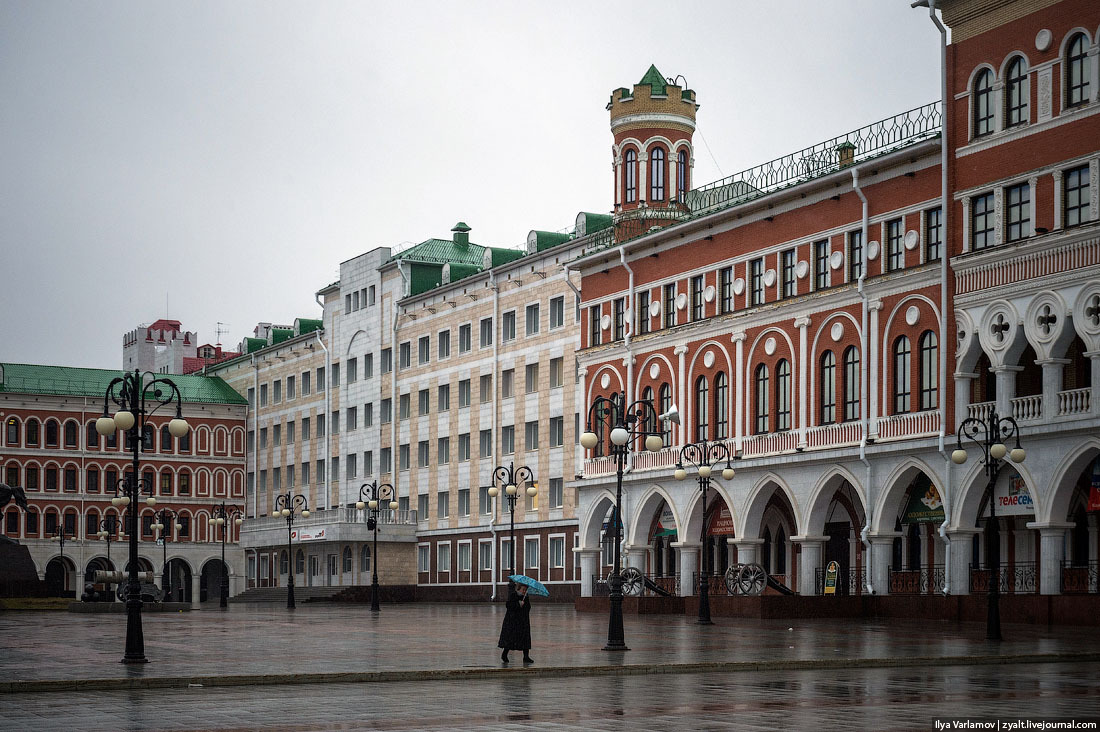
(534, 586)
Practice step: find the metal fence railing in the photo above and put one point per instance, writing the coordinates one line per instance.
(1018, 578)
(922, 581)
(1079, 579)
(849, 581)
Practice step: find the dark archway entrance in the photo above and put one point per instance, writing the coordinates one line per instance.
(178, 581)
(61, 577)
(210, 581)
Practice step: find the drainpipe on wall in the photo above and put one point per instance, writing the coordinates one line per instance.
(866, 361)
(626, 343)
(393, 388)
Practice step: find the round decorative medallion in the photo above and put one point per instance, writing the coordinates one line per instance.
(802, 269)
(837, 331)
(912, 238)
(738, 286)
(605, 380)
(605, 322)
(769, 346)
(708, 294)
(836, 259)
(681, 301)
(912, 315)
(708, 359)
(654, 370)
(1042, 39)
(655, 308)
(872, 249)
(769, 278)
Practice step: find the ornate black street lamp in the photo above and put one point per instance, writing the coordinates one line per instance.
(703, 455)
(626, 423)
(369, 496)
(990, 435)
(60, 537)
(137, 396)
(164, 519)
(288, 505)
(221, 516)
(510, 479)
(108, 529)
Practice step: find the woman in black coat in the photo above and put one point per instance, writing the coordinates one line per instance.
(515, 633)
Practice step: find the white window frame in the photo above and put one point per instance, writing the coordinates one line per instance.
(550, 551)
(468, 546)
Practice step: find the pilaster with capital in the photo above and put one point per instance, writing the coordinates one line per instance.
(1052, 550)
(739, 389)
(688, 553)
(873, 307)
(813, 548)
(590, 564)
(681, 389)
(803, 368)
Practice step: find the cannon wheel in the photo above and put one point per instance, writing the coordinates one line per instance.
(731, 577)
(633, 580)
(752, 579)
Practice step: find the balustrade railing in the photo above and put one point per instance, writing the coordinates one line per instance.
(1005, 270)
(1027, 407)
(980, 410)
(849, 581)
(834, 435)
(1018, 578)
(1077, 579)
(597, 466)
(772, 443)
(338, 515)
(916, 424)
(646, 460)
(1074, 401)
(923, 581)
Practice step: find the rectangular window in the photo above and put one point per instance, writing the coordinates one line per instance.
(423, 350)
(404, 355)
(821, 264)
(290, 392)
(641, 318)
(464, 447)
(351, 465)
(933, 234)
(305, 383)
(531, 435)
(486, 332)
(320, 378)
(486, 388)
(485, 555)
(424, 402)
(508, 439)
(463, 393)
(403, 406)
(385, 460)
(557, 312)
(423, 454)
(385, 362)
(532, 381)
(423, 557)
(531, 319)
(557, 552)
(725, 290)
(443, 450)
(320, 425)
(370, 295)
(352, 368)
(385, 411)
(855, 255)
(787, 265)
(334, 424)
(263, 395)
(277, 388)
(444, 397)
(368, 466)
(403, 457)
(251, 405)
(697, 310)
(669, 305)
(305, 428)
(508, 326)
(531, 553)
(485, 443)
(290, 433)
(1018, 203)
(335, 377)
(422, 509)
(756, 282)
(507, 383)
(895, 248)
(594, 325)
(305, 473)
(1075, 196)
(619, 310)
(442, 504)
(464, 505)
(368, 366)
(557, 372)
(443, 344)
(263, 438)
(320, 470)
(368, 415)
(277, 435)
(463, 549)
(351, 420)
(557, 431)
(981, 222)
(557, 492)
(464, 338)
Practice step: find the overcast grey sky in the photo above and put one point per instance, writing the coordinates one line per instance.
(216, 161)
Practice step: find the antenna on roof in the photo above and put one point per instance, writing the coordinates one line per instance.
(219, 332)
(673, 79)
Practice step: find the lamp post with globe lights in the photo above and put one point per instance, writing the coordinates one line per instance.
(221, 517)
(370, 496)
(703, 455)
(626, 423)
(989, 435)
(108, 529)
(137, 397)
(60, 536)
(165, 519)
(510, 479)
(288, 505)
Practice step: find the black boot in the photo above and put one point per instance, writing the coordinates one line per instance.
(504, 656)
(527, 659)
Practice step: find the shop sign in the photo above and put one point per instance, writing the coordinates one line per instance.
(1012, 497)
(721, 522)
(925, 505)
(831, 573)
(1094, 489)
(666, 524)
(308, 534)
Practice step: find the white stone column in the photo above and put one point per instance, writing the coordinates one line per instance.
(681, 393)
(1006, 388)
(196, 589)
(1094, 397)
(688, 554)
(635, 556)
(747, 550)
(809, 562)
(881, 555)
(617, 171)
(739, 389)
(1094, 72)
(874, 306)
(1092, 522)
(1058, 222)
(998, 104)
(1052, 550)
(965, 225)
(1052, 384)
(589, 565)
(962, 395)
(643, 177)
(959, 573)
(803, 370)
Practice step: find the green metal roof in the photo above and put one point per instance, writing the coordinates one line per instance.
(655, 80)
(424, 276)
(69, 381)
(548, 239)
(278, 335)
(307, 325)
(442, 251)
(500, 255)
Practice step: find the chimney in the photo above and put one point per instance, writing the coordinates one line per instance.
(461, 235)
(845, 154)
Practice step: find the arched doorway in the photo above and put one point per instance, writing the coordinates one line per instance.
(1079, 565)
(61, 577)
(101, 592)
(1015, 546)
(843, 520)
(210, 581)
(178, 581)
(916, 560)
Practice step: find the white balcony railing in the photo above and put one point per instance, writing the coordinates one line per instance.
(1074, 401)
(663, 458)
(769, 444)
(900, 426)
(597, 466)
(328, 516)
(1027, 407)
(834, 435)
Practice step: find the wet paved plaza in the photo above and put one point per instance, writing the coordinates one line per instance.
(446, 673)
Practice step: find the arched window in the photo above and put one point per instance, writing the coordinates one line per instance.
(300, 562)
(1017, 93)
(364, 558)
(664, 396)
(32, 432)
(11, 432)
(1077, 71)
(630, 161)
(657, 174)
(11, 474)
(783, 396)
(681, 174)
(901, 375)
(347, 559)
(780, 551)
(148, 437)
(71, 434)
(983, 103)
(851, 384)
(185, 482)
(53, 433)
(165, 439)
(185, 442)
(701, 392)
(651, 418)
(929, 371)
(828, 388)
(165, 483)
(760, 383)
(284, 562)
(91, 437)
(721, 406)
